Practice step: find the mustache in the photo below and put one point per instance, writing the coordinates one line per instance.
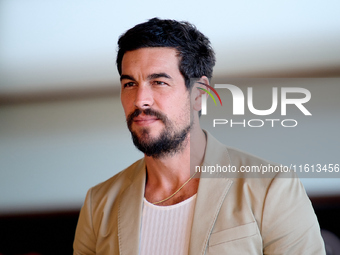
(149, 112)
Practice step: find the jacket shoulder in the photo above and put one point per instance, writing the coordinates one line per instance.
(255, 167)
(117, 183)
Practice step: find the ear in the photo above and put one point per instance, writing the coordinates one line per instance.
(196, 93)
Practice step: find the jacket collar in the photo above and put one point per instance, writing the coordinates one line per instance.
(130, 211)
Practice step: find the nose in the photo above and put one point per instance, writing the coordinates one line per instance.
(144, 97)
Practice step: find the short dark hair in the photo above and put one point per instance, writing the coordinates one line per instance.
(197, 58)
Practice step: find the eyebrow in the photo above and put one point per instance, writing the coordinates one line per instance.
(150, 77)
(127, 77)
(159, 75)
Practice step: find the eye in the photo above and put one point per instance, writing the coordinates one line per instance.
(159, 83)
(128, 84)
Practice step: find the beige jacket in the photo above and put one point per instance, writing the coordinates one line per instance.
(232, 215)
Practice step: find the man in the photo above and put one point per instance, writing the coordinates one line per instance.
(155, 206)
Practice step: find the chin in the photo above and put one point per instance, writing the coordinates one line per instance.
(150, 132)
(143, 134)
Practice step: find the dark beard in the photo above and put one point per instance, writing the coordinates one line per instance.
(168, 143)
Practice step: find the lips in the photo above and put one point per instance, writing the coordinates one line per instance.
(144, 120)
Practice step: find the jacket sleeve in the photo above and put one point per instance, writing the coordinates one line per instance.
(85, 238)
(289, 224)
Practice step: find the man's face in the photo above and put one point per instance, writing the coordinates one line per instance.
(155, 100)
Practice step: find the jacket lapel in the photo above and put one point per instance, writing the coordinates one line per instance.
(211, 193)
(130, 212)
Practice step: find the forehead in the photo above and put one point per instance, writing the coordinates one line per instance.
(152, 58)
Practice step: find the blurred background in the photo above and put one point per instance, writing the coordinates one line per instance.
(62, 128)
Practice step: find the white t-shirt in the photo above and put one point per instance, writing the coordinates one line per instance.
(166, 230)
